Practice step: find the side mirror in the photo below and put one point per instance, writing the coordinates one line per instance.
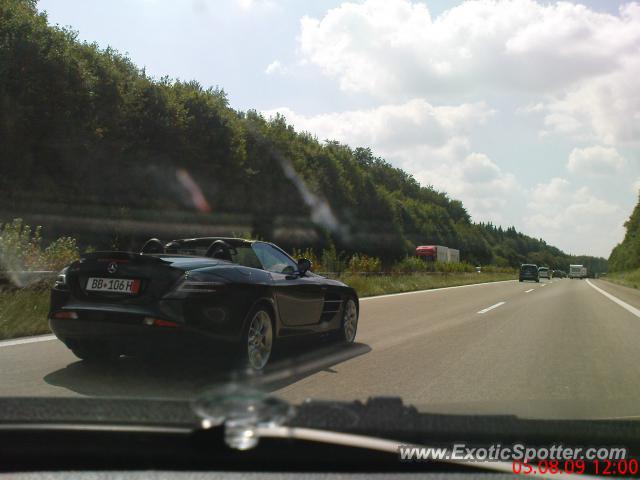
(304, 265)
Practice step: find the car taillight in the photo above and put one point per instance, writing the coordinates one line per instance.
(158, 322)
(65, 314)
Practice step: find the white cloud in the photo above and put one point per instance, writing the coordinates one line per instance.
(606, 108)
(394, 46)
(595, 160)
(485, 189)
(275, 67)
(582, 64)
(572, 217)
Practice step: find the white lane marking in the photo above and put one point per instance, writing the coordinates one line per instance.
(23, 340)
(432, 290)
(492, 307)
(543, 284)
(530, 290)
(624, 305)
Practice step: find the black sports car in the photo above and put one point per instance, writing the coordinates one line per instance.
(199, 292)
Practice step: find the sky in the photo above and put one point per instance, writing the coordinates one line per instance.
(527, 111)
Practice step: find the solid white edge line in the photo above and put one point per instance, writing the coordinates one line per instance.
(492, 307)
(24, 340)
(624, 305)
(44, 338)
(432, 290)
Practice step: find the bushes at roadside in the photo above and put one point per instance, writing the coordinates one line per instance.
(630, 278)
(24, 297)
(413, 265)
(21, 249)
(327, 261)
(369, 285)
(498, 269)
(364, 264)
(330, 262)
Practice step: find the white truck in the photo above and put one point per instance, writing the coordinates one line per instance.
(577, 271)
(453, 255)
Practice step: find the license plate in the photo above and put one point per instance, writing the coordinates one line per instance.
(113, 285)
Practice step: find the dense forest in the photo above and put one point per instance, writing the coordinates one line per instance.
(84, 131)
(626, 255)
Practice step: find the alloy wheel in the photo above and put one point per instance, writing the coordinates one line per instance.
(259, 340)
(350, 320)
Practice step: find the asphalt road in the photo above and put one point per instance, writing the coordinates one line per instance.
(560, 348)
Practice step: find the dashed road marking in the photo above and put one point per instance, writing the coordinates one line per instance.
(492, 307)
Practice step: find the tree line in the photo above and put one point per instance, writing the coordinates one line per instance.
(626, 255)
(82, 125)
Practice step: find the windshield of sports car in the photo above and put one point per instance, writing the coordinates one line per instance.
(434, 200)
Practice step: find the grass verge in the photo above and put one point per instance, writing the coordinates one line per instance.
(24, 312)
(368, 286)
(627, 279)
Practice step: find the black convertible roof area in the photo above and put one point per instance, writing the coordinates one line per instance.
(233, 242)
(200, 246)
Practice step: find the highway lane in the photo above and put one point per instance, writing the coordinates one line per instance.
(555, 349)
(561, 350)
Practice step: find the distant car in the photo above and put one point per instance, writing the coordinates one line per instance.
(529, 271)
(543, 272)
(201, 292)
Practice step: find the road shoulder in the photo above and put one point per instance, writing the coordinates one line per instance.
(626, 294)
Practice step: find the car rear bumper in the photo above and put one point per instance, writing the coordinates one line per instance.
(128, 334)
(528, 277)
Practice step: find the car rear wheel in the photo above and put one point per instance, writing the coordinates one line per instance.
(258, 340)
(349, 325)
